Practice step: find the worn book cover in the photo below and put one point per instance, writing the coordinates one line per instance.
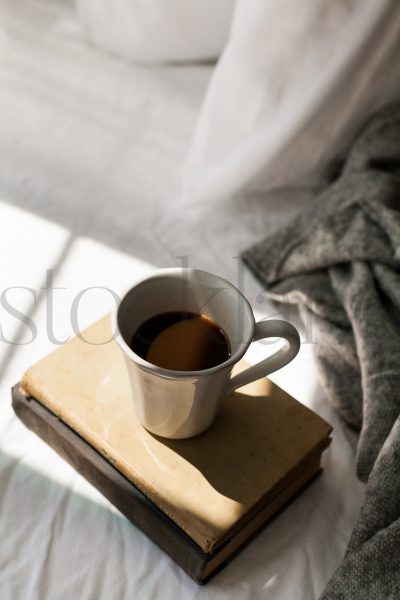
(214, 490)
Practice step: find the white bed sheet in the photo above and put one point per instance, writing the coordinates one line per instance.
(92, 152)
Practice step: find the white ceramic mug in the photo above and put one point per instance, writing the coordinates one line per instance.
(182, 404)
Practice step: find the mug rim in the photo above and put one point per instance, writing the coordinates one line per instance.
(170, 373)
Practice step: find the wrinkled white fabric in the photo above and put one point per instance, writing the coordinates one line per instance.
(294, 83)
(92, 152)
(158, 30)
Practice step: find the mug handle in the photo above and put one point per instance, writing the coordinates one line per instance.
(267, 329)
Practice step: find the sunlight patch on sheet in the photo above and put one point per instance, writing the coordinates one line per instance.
(28, 246)
(85, 287)
(47, 275)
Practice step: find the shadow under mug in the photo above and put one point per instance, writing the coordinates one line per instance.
(182, 404)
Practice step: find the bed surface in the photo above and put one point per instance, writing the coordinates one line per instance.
(92, 151)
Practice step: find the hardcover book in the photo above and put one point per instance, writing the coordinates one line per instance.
(199, 499)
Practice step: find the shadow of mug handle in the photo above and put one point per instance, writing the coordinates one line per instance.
(267, 329)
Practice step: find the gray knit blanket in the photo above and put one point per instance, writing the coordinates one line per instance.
(340, 263)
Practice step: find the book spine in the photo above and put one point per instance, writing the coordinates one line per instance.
(112, 484)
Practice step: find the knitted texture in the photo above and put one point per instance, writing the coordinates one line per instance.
(340, 263)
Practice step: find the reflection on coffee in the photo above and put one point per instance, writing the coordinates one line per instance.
(181, 341)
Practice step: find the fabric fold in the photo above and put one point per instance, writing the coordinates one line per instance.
(340, 262)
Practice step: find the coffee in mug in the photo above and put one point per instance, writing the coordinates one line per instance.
(181, 341)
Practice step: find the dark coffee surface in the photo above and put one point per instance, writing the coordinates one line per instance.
(181, 341)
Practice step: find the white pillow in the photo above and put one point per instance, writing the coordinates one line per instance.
(293, 84)
(158, 30)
